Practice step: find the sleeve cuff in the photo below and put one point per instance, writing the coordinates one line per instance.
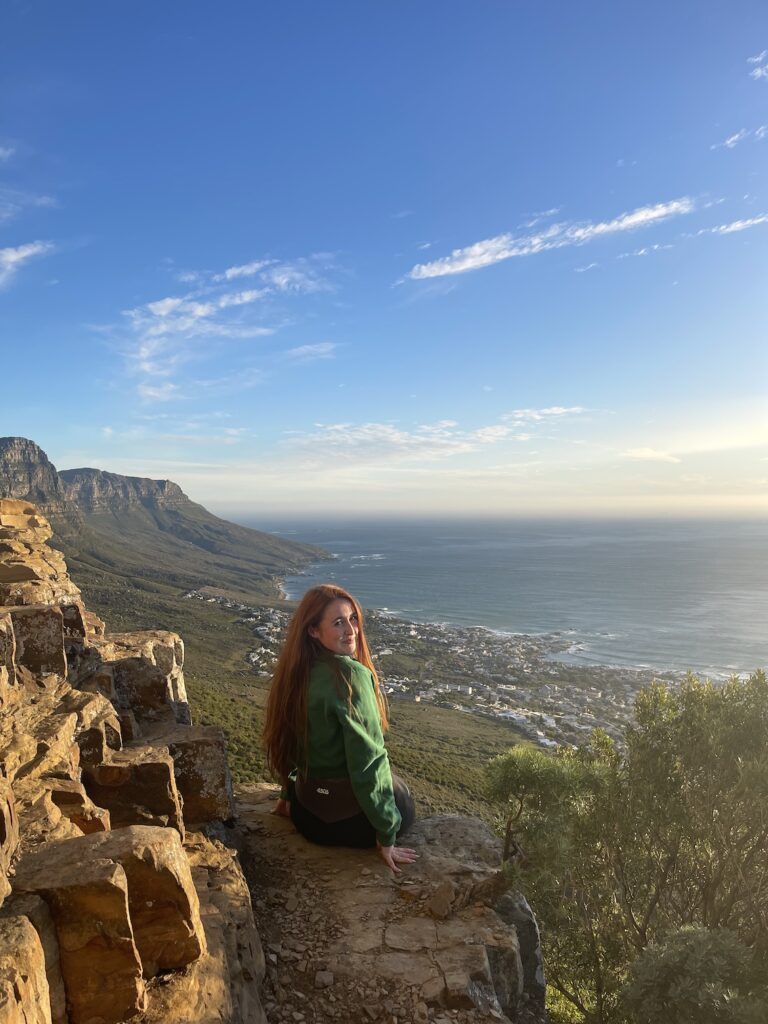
(386, 838)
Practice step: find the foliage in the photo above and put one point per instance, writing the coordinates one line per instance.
(622, 848)
(696, 975)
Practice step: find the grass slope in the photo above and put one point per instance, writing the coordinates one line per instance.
(181, 548)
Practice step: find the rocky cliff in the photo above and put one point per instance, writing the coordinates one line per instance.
(26, 472)
(93, 490)
(115, 903)
(122, 897)
(111, 526)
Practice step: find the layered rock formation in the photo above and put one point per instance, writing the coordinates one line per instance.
(93, 490)
(106, 904)
(27, 472)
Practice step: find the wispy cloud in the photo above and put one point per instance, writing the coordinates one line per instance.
(744, 133)
(761, 72)
(649, 455)
(758, 58)
(732, 141)
(387, 442)
(14, 201)
(646, 250)
(735, 225)
(6, 152)
(589, 266)
(12, 259)
(243, 270)
(164, 392)
(308, 353)
(549, 413)
(539, 216)
(506, 246)
(167, 333)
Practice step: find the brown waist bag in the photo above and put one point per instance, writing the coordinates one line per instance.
(330, 800)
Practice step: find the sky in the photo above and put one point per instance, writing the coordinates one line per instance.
(437, 258)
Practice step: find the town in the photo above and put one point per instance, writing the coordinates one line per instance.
(514, 678)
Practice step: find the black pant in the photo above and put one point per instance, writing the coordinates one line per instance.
(356, 831)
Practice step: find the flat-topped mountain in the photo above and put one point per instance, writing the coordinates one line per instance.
(94, 490)
(134, 529)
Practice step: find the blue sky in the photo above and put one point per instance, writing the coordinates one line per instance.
(493, 258)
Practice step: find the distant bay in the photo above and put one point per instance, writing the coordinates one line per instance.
(657, 594)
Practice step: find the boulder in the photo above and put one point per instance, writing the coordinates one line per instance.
(225, 984)
(514, 908)
(24, 995)
(88, 901)
(162, 900)
(137, 786)
(40, 819)
(39, 634)
(35, 910)
(160, 648)
(75, 804)
(202, 773)
(145, 690)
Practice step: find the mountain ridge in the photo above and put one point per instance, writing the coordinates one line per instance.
(138, 532)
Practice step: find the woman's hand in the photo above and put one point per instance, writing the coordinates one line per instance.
(282, 808)
(394, 855)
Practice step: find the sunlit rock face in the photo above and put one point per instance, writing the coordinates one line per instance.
(26, 472)
(102, 884)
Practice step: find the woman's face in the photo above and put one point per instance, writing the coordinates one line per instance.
(338, 629)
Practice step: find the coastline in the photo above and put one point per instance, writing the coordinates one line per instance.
(511, 678)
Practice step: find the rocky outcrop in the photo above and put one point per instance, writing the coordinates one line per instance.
(103, 887)
(355, 943)
(26, 472)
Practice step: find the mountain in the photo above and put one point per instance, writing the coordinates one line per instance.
(144, 532)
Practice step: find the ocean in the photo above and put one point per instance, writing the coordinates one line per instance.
(648, 594)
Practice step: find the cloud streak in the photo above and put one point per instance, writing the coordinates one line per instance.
(309, 353)
(14, 201)
(740, 136)
(13, 259)
(389, 443)
(507, 246)
(649, 455)
(735, 226)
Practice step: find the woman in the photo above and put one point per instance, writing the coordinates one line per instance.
(324, 728)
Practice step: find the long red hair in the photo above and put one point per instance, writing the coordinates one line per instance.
(285, 725)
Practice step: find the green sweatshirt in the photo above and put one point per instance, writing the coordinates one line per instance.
(347, 741)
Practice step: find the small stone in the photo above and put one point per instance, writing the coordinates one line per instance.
(291, 904)
(372, 1011)
(324, 979)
